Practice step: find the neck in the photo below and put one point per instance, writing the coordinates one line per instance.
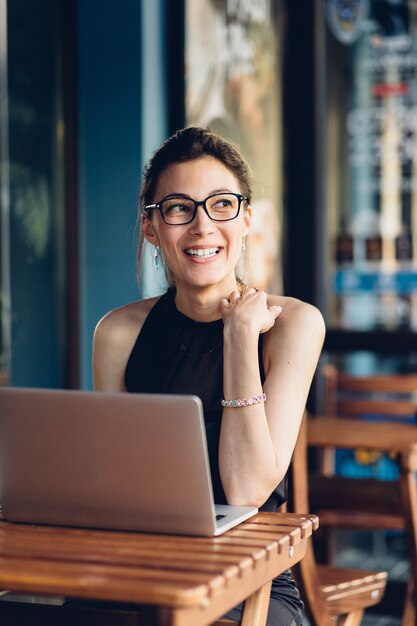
(202, 304)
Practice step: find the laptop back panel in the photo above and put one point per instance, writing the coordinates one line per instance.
(123, 461)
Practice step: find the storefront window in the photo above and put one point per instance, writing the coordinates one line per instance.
(32, 228)
(370, 212)
(233, 70)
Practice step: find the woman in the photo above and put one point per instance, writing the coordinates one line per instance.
(249, 356)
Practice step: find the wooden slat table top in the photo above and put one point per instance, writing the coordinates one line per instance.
(164, 570)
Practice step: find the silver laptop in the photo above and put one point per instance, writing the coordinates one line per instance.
(108, 460)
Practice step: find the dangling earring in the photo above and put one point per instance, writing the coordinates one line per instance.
(157, 258)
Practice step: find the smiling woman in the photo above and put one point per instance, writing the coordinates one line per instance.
(188, 147)
(248, 355)
(201, 240)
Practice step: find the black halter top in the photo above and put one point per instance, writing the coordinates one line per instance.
(175, 354)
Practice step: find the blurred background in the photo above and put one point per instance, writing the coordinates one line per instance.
(321, 98)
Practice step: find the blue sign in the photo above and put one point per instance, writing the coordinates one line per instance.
(357, 281)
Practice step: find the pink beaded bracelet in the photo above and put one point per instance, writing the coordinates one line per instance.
(244, 401)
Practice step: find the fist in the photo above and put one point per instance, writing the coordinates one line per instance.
(249, 310)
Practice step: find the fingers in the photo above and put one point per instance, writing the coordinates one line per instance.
(224, 306)
(234, 297)
(250, 308)
(275, 310)
(237, 296)
(246, 294)
(250, 291)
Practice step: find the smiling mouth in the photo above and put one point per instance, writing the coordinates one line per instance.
(202, 253)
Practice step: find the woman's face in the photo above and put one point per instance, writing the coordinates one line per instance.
(202, 253)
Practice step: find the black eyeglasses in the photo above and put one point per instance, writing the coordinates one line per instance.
(179, 210)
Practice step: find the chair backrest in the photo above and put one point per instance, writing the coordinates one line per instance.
(389, 395)
(379, 397)
(306, 570)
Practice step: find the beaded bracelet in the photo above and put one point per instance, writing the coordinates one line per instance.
(244, 401)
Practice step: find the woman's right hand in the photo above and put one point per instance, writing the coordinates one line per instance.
(248, 311)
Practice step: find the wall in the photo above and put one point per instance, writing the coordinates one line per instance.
(122, 119)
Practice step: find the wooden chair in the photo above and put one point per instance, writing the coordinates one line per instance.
(331, 595)
(371, 503)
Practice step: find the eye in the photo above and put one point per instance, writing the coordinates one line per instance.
(222, 203)
(177, 208)
(172, 207)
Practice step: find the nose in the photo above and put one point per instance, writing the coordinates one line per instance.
(201, 223)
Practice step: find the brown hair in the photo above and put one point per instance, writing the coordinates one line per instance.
(190, 144)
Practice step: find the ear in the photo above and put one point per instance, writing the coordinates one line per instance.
(149, 232)
(247, 220)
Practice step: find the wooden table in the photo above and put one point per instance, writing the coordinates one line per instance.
(181, 581)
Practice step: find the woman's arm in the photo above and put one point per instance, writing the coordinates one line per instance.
(256, 442)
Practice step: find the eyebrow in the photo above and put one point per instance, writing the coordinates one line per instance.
(222, 190)
(179, 194)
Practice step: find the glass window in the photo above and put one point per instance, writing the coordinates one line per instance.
(370, 212)
(233, 86)
(32, 232)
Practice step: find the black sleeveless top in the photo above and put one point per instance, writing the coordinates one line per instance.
(175, 354)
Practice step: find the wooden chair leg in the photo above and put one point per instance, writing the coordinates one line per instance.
(409, 497)
(352, 619)
(255, 609)
(409, 617)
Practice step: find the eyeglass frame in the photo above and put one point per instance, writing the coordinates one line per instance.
(158, 205)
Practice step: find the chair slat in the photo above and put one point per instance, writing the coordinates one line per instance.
(386, 408)
(395, 383)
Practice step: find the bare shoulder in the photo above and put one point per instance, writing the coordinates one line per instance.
(297, 310)
(122, 325)
(114, 338)
(298, 319)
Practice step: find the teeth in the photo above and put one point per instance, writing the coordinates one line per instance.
(206, 252)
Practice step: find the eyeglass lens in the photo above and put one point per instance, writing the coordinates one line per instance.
(220, 207)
